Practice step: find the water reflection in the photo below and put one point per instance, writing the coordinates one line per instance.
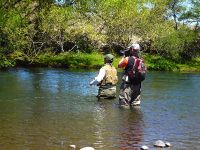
(53, 108)
(117, 128)
(132, 125)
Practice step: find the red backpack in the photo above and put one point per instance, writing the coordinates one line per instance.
(137, 73)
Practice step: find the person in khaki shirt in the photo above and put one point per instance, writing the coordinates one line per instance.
(106, 79)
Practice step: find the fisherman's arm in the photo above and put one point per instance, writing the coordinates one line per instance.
(99, 78)
(123, 62)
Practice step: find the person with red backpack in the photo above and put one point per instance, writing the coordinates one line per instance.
(133, 74)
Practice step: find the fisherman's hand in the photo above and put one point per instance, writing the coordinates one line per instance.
(94, 82)
(91, 82)
(122, 52)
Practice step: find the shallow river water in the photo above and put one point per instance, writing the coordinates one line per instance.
(50, 109)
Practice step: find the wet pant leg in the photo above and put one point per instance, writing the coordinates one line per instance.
(129, 94)
(135, 94)
(125, 94)
(106, 92)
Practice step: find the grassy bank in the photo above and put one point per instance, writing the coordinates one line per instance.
(66, 60)
(159, 63)
(95, 61)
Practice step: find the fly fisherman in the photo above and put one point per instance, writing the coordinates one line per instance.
(106, 79)
(131, 81)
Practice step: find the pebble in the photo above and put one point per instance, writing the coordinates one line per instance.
(87, 148)
(144, 147)
(167, 144)
(73, 146)
(159, 143)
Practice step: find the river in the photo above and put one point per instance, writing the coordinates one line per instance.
(50, 109)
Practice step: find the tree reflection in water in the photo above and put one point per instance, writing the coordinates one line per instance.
(132, 131)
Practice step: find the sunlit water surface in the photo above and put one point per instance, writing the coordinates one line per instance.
(50, 109)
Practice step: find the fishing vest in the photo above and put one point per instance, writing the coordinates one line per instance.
(110, 75)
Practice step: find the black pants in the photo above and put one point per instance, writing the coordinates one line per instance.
(129, 93)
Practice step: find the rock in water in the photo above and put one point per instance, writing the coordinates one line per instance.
(159, 143)
(167, 144)
(87, 148)
(144, 147)
(73, 146)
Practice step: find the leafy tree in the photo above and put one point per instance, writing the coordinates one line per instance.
(28, 27)
(65, 23)
(193, 14)
(175, 9)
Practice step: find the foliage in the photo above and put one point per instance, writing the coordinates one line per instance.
(16, 27)
(31, 30)
(5, 62)
(190, 66)
(156, 62)
(171, 44)
(192, 14)
(66, 24)
(71, 60)
(175, 9)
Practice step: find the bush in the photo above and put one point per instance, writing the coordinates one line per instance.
(5, 62)
(72, 60)
(160, 64)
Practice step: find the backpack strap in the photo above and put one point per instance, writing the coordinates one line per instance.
(137, 63)
(130, 65)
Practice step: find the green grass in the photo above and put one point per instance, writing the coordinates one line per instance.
(190, 66)
(95, 61)
(71, 60)
(155, 62)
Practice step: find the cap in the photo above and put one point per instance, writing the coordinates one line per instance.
(109, 56)
(134, 46)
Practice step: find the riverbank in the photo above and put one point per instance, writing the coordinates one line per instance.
(95, 61)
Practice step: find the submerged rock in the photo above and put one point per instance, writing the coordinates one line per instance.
(87, 148)
(159, 143)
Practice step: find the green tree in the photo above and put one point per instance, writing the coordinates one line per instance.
(193, 14)
(175, 10)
